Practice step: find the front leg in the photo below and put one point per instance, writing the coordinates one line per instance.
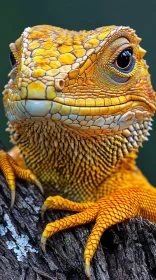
(118, 206)
(12, 166)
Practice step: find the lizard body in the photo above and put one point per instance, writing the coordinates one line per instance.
(79, 106)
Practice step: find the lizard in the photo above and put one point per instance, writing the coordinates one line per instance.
(79, 106)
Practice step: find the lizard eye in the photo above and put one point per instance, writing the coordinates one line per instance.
(125, 61)
(13, 61)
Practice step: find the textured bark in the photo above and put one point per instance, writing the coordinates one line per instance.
(127, 251)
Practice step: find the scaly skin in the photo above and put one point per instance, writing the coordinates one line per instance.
(78, 120)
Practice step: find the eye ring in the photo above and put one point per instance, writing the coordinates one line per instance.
(125, 61)
(12, 58)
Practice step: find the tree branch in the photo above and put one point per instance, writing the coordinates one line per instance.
(127, 251)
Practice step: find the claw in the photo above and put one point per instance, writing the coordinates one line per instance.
(87, 270)
(43, 209)
(12, 198)
(38, 184)
(43, 243)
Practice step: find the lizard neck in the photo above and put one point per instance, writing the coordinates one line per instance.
(66, 159)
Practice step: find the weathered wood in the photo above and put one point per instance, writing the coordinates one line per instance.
(127, 251)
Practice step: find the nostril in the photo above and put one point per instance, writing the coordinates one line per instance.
(59, 84)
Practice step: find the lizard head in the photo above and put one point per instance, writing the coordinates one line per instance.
(95, 82)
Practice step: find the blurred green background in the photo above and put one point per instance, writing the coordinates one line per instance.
(83, 14)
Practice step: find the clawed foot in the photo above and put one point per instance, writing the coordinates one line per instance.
(105, 212)
(11, 170)
(88, 212)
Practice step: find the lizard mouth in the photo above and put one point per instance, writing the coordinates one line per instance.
(104, 105)
(92, 113)
(104, 118)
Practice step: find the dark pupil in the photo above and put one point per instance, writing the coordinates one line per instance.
(12, 59)
(124, 58)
